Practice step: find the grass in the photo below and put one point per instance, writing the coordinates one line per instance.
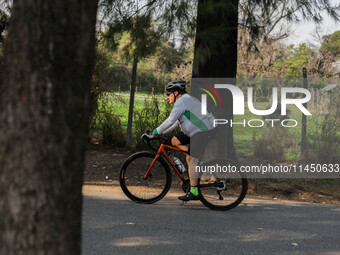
(243, 136)
(119, 104)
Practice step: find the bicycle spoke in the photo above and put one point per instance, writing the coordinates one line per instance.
(222, 191)
(144, 190)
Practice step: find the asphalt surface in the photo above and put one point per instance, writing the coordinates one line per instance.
(112, 224)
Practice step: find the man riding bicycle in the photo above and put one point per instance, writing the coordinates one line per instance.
(186, 114)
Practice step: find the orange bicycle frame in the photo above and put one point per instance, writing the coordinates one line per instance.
(161, 151)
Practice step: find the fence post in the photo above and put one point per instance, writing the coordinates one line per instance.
(304, 122)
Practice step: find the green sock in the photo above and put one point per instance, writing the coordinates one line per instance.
(194, 190)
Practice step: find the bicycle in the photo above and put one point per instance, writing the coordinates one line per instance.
(146, 178)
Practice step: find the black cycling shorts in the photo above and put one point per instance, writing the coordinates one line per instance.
(183, 138)
(199, 141)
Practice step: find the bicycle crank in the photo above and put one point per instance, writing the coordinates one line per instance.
(219, 194)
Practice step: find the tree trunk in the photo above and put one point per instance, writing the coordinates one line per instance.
(43, 123)
(132, 100)
(215, 53)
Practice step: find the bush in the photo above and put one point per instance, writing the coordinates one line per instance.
(324, 137)
(293, 153)
(274, 140)
(271, 144)
(105, 126)
(150, 117)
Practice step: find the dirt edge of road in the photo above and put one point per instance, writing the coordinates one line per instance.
(102, 167)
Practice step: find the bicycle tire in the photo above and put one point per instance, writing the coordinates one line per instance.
(154, 187)
(222, 191)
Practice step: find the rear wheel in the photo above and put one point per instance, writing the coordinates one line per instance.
(148, 190)
(223, 187)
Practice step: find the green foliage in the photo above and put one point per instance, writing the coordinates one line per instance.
(149, 117)
(100, 78)
(277, 114)
(124, 34)
(292, 154)
(134, 35)
(276, 142)
(272, 143)
(112, 74)
(114, 55)
(324, 137)
(268, 146)
(331, 44)
(168, 57)
(106, 125)
(298, 60)
(295, 58)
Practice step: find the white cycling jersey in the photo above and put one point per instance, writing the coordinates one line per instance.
(187, 114)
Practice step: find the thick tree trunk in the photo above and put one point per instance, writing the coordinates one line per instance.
(43, 125)
(215, 54)
(132, 100)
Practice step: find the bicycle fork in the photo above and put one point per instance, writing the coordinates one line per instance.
(152, 164)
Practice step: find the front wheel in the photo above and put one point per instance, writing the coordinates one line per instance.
(222, 186)
(148, 190)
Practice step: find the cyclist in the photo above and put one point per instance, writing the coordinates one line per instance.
(186, 114)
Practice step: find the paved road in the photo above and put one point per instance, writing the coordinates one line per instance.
(112, 224)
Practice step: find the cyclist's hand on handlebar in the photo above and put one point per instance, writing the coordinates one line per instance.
(148, 136)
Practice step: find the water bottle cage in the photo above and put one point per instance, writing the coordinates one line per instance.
(179, 165)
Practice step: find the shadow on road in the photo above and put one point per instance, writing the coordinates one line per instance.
(112, 224)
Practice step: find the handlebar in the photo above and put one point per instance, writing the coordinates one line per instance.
(147, 136)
